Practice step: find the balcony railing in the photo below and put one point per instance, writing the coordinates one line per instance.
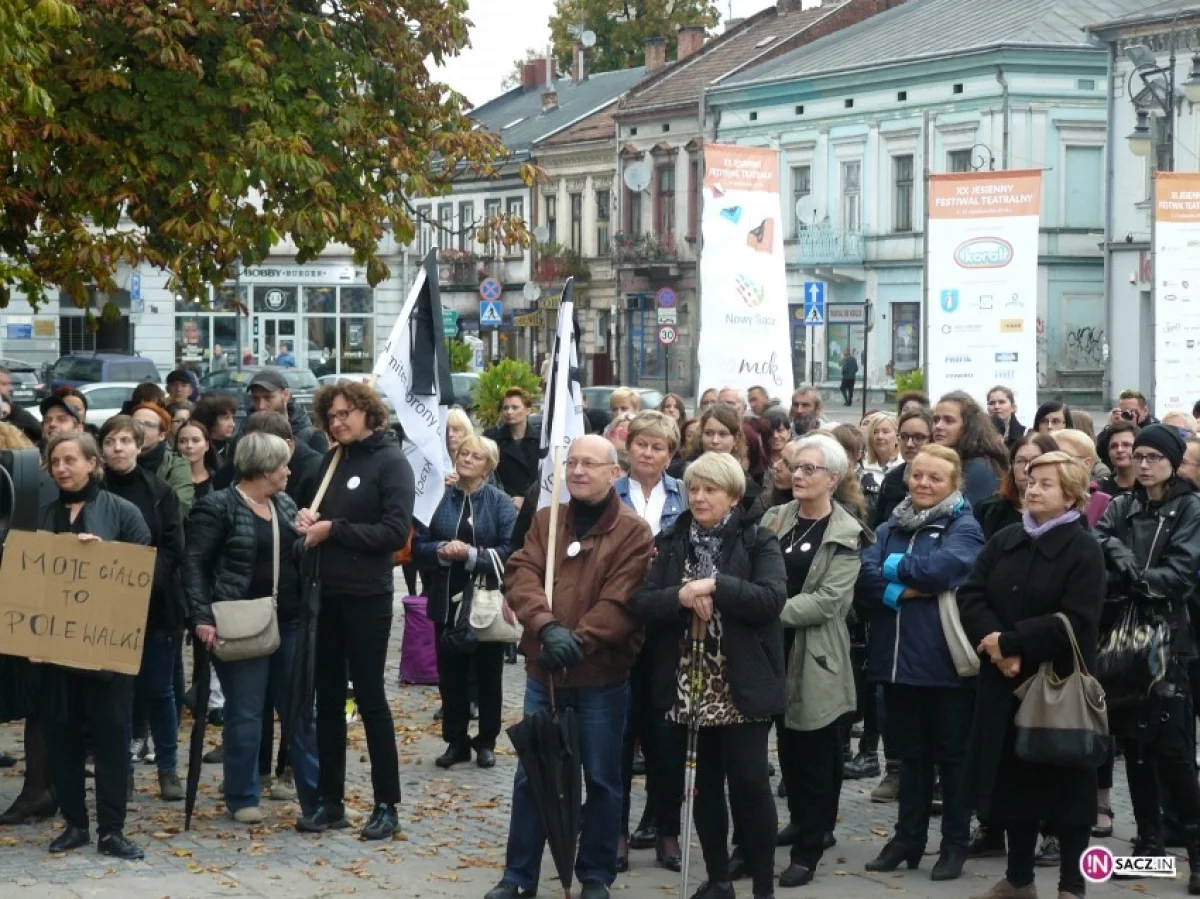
(815, 246)
(644, 249)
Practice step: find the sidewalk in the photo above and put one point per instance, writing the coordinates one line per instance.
(455, 824)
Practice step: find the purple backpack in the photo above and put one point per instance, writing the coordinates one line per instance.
(418, 652)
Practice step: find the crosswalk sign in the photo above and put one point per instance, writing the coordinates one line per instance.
(491, 313)
(814, 303)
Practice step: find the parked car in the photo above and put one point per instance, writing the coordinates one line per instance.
(104, 401)
(25, 381)
(94, 368)
(466, 385)
(597, 397)
(232, 381)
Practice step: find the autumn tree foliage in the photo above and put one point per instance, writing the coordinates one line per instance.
(198, 133)
(622, 28)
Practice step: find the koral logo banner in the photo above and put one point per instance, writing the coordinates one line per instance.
(982, 279)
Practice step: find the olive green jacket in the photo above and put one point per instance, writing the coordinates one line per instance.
(820, 677)
(175, 470)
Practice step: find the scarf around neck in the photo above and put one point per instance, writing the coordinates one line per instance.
(1035, 530)
(908, 519)
(706, 547)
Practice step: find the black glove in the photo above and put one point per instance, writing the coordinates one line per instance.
(560, 648)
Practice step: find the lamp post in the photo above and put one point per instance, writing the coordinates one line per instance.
(1146, 67)
(981, 155)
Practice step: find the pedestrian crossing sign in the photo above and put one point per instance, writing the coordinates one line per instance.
(491, 314)
(814, 303)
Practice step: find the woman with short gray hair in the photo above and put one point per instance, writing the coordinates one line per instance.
(821, 543)
(720, 576)
(237, 538)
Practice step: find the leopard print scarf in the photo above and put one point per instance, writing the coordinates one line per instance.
(705, 548)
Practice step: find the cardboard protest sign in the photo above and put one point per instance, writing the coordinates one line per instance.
(82, 605)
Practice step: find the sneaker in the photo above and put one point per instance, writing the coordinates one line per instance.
(283, 788)
(326, 817)
(863, 766)
(251, 814)
(383, 824)
(888, 789)
(118, 845)
(1049, 856)
(214, 756)
(169, 787)
(987, 842)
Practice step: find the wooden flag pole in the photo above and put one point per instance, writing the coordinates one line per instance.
(552, 547)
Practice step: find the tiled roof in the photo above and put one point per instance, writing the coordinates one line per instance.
(680, 82)
(518, 118)
(938, 28)
(598, 126)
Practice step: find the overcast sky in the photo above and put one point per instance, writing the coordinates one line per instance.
(503, 30)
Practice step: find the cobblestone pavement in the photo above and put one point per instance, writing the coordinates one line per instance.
(452, 843)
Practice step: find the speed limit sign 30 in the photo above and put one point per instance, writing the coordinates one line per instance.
(667, 334)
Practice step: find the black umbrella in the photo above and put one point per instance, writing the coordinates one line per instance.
(304, 662)
(201, 684)
(547, 744)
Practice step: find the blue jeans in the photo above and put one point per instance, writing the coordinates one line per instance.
(245, 686)
(601, 712)
(156, 682)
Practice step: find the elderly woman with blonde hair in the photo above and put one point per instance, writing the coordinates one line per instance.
(717, 583)
(470, 532)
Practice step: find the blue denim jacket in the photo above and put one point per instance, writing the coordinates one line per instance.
(674, 506)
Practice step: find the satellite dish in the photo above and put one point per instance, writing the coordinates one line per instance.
(801, 209)
(637, 176)
(531, 292)
(541, 233)
(588, 38)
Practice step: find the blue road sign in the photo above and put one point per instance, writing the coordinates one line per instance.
(490, 289)
(814, 303)
(491, 313)
(666, 297)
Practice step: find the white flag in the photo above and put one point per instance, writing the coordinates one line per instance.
(413, 372)
(562, 414)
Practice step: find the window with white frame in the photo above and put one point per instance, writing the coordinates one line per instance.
(552, 219)
(466, 231)
(577, 222)
(902, 193)
(445, 226)
(492, 210)
(852, 196)
(516, 212)
(424, 229)
(603, 215)
(801, 190)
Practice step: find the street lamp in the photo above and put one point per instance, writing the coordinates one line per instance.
(981, 155)
(1191, 87)
(1140, 140)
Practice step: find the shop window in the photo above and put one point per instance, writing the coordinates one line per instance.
(358, 345)
(837, 338)
(906, 336)
(358, 300)
(321, 341)
(273, 299)
(320, 300)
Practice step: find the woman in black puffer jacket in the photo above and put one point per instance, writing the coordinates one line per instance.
(365, 517)
(231, 555)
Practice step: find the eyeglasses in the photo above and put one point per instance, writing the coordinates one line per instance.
(1022, 464)
(914, 439)
(152, 425)
(341, 414)
(586, 464)
(1147, 458)
(807, 470)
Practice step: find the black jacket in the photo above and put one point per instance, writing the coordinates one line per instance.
(107, 516)
(518, 467)
(20, 417)
(751, 592)
(222, 552)
(304, 469)
(1016, 587)
(1154, 548)
(370, 502)
(303, 429)
(166, 536)
(892, 492)
(994, 514)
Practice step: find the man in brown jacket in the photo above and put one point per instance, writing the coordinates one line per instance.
(586, 640)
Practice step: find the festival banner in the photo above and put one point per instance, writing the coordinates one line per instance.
(1176, 291)
(744, 331)
(982, 279)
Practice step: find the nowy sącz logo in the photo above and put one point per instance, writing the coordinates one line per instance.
(1099, 865)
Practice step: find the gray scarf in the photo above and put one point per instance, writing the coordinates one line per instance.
(910, 520)
(706, 548)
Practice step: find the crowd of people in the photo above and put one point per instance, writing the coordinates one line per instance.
(750, 568)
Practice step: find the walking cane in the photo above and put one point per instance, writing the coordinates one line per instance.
(695, 689)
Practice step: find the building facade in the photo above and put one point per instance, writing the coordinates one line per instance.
(1129, 210)
(862, 115)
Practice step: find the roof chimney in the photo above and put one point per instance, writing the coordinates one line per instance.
(549, 100)
(529, 79)
(656, 54)
(691, 39)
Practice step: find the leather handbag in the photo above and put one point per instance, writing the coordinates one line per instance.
(962, 653)
(249, 628)
(491, 618)
(1062, 721)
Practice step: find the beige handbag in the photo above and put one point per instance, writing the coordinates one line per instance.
(966, 660)
(487, 610)
(249, 628)
(1062, 721)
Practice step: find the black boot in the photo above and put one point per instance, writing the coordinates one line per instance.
(949, 864)
(1148, 842)
(1193, 851)
(893, 855)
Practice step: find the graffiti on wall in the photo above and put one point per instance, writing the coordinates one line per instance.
(1064, 351)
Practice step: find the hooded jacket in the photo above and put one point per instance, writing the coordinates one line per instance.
(905, 641)
(175, 470)
(303, 430)
(370, 503)
(591, 591)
